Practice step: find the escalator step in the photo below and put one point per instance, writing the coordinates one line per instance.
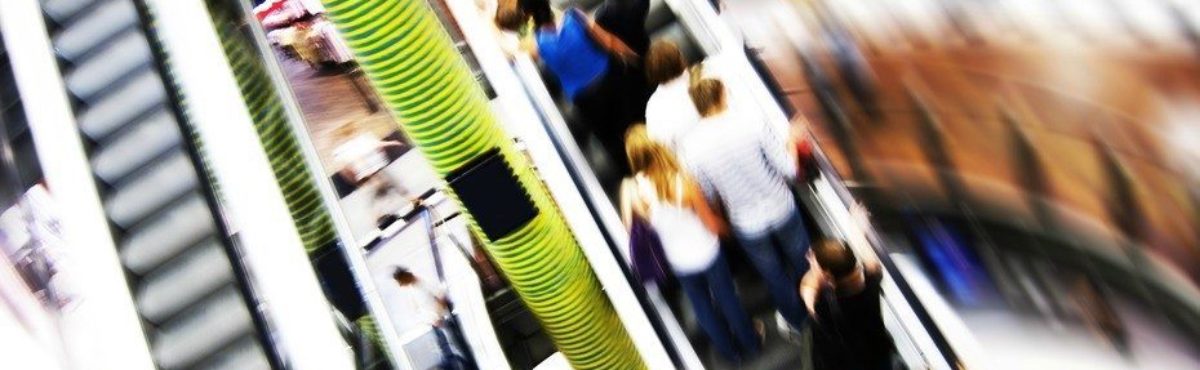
(132, 149)
(152, 244)
(109, 111)
(182, 281)
(92, 29)
(245, 354)
(115, 60)
(61, 10)
(151, 190)
(202, 330)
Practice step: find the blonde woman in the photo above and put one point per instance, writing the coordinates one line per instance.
(688, 228)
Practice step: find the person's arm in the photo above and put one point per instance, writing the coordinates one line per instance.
(627, 201)
(606, 40)
(810, 287)
(779, 151)
(695, 200)
(390, 144)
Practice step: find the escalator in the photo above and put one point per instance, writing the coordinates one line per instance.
(661, 24)
(189, 289)
(692, 25)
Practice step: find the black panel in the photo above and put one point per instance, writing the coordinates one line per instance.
(338, 282)
(489, 188)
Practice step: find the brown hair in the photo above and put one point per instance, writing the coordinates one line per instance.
(664, 62)
(404, 277)
(652, 159)
(708, 95)
(835, 258)
(511, 18)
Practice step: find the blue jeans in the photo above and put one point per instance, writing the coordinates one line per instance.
(782, 280)
(450, 344)
(715, 285)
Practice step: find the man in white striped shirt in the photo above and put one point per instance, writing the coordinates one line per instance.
(748, 167)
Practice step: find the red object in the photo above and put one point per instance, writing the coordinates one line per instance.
(804, 157)
(264, 12)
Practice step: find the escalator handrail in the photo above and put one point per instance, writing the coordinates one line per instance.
(926, 320)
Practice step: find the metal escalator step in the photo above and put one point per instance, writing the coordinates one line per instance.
(245, 354)
(132, 149)
(659, 16)
(61, 10)
(151, 244)
(113, 61)
(186, 290)
(109, 111)
(92, 29)
(182, 281)
(124, 127)
(202, 330)
(162, 182)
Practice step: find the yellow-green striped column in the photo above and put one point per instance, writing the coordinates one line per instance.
(271, 122)
(414, 66)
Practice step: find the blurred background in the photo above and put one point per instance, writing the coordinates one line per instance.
(1036, 159)
(236, 184)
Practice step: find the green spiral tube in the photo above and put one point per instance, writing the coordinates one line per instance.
(300, 192)
(414, 66)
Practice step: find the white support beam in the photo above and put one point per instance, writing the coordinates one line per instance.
(103, 331)
(296, 310)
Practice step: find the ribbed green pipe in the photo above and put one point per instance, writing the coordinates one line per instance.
(264, 103)
(283, 149)
(417, 70)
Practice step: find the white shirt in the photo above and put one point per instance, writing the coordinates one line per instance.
(413, 307)
(689, 246)
(670, 113)
(747, 166)
(362, 154)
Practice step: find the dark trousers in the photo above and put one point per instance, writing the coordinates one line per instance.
(455, 353)
(609, 106)
(780, 256)
(715, 285)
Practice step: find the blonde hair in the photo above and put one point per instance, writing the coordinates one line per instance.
(708, 95)
(654, 160)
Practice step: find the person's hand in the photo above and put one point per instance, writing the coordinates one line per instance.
(798, 134)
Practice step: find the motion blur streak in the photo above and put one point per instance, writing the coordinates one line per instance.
(1049, 145)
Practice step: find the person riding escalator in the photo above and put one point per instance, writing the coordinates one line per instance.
(597, 63)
